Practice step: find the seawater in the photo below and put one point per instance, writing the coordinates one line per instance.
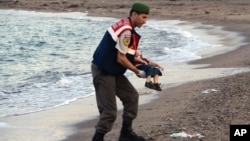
(45, 57)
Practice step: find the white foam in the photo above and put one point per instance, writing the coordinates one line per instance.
(64, 82)
(70, 15)
(3, 125)
(213, 39)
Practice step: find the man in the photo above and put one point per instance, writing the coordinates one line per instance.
(113, 56)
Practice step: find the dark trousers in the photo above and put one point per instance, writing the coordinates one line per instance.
(150, 70)
(107, 87)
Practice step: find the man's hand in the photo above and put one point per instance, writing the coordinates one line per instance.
(141, 74)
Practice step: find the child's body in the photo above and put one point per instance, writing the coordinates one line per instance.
(151, 69)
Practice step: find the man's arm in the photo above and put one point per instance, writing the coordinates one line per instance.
(122, 47)
(123, 60)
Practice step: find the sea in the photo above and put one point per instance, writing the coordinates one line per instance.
(45, 57)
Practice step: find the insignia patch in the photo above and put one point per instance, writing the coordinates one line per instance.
(126, 40)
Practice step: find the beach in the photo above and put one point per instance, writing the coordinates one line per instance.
(204, 96)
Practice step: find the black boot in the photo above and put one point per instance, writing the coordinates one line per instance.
(127, 133)
(98, 136)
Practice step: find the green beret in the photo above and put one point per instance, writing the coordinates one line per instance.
(141, 8)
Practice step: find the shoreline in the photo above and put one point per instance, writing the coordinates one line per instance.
(163, 120)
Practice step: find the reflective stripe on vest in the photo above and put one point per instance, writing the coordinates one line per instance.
(117, 28)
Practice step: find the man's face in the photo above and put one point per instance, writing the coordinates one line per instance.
(140, 19)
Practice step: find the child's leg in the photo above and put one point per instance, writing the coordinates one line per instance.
(156, 84)
(156, 78)
(148, 71)
(148, 78)
(149, 83)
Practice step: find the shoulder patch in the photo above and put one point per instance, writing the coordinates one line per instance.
(126, 40)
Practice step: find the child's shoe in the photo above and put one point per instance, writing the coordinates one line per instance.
(157, 87)
(150, 85)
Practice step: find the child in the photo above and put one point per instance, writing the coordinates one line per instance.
(150, 68)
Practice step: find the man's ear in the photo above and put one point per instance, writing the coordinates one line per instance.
(134, 13)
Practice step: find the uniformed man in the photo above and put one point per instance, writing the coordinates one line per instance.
(113, 56)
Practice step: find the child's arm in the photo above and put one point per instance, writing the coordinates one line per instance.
(139, 59)
(156, 65)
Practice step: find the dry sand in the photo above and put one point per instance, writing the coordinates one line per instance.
(176, 108)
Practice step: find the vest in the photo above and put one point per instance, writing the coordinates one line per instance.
(105, 55)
